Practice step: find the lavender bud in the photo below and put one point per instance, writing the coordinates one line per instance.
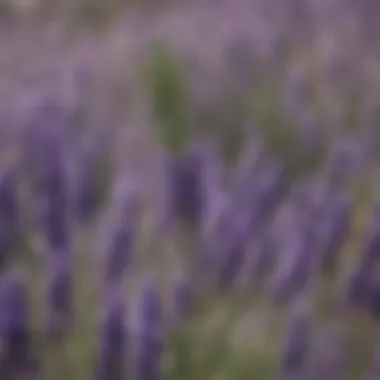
(335, 228)
(184, 191)
(372, 298)
(9, 214)
(270, 193)
(359, 284)
(122, 236)
(113, 335)
(295, 274)
(341, 166)
(148, 366)
(297, 341)
(18, 355)
(86, 197)
(232, 250)
(54, 195)
(59, 298)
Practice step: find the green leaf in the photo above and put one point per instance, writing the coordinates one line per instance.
(166, 84)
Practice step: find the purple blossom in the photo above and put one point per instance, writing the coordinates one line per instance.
(271, 190)
(9, 213)
(148, 365)
(373, 298)
(335, 228)
(296, 274)
(231, 250)
(112, 354)
(18, 355)
(296, 344)
(59, 296)
(48, 149)
(86, 191)
(183, 188)
(341, 165)
(122, 233)
(360, 282)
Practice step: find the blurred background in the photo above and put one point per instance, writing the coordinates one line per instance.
(189, 189)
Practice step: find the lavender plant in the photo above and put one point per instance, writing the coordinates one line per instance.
(296, 346)
(59, 296)
(19, 354)
(335, 227)
(112, 352)
(150, 334)
(122, 232)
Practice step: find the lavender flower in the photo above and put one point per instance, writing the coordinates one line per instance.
(55, 201)
(232, 250)
(360, 282)
(112, 355)
(296, 345)
(59, 298)
(184, 191)
(18, 355)
(123, 231)
(48, 149)
(86, 197)
(148, 366)
(245, 216)
(296, 273)
(271, 191)
(9, 213)
(373, 298)
(341, 166)
(335, 228)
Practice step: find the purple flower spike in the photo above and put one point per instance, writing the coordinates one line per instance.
(295, 274)
(190, 197)
(335, 230)
(342, 165)
(55, 206)
(150, 335)
(59, 296)
(9, 213)
(48, 156)
(17, 357)
(85, 195)
(184, 192)
(297, 341)
(359, 285)
(232, 251)
(122, 233)
(111, 361)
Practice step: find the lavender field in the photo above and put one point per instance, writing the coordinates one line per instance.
(189, 190)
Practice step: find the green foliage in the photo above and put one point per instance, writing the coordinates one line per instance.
(165, 81)
(280, 134)
(230, 125)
